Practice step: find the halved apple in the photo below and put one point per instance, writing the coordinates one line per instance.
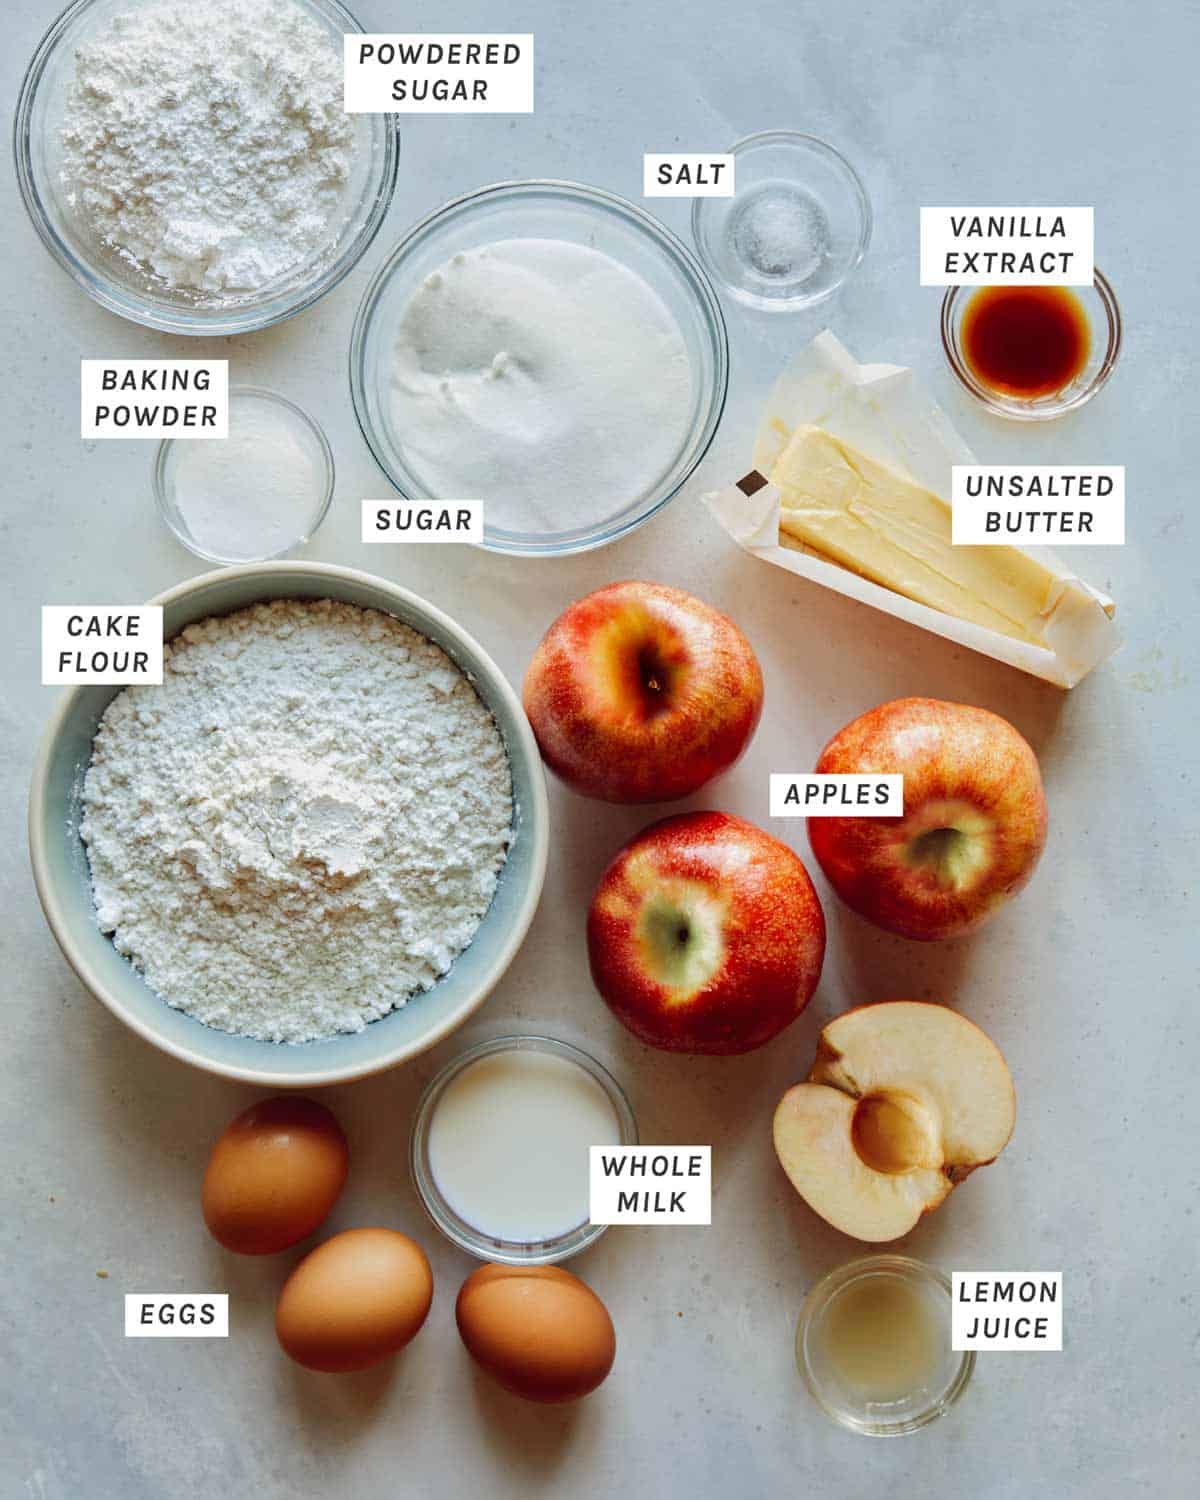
(905, 1099)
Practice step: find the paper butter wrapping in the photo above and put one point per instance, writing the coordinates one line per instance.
(882, 410)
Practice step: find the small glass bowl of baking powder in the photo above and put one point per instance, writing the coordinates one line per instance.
(255, 495)
(127, 288)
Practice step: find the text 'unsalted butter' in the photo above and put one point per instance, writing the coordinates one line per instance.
(1014, 505)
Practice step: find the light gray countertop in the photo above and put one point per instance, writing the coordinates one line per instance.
(1088, 982)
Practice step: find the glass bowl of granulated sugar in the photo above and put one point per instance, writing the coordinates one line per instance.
(547, 348)
(165, 164)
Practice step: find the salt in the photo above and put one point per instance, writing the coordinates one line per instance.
(779, 231)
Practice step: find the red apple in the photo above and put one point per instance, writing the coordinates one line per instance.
(974, 821)
(642, 693)
(705, 935)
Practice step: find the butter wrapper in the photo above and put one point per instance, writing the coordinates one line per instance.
(882, 410)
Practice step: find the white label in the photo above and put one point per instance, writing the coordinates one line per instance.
(1007, 1311)
(176, 1315)
(687, 174)
(154, 398)
(422, 521)
(102, 643)
(426, 74)
(837, 796)
(1007, 246)
(1018, 505)
(651, 1185)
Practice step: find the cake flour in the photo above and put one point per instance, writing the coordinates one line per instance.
(303, 826)
(207, 142)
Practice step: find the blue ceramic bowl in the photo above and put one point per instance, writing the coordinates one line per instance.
(61, 870)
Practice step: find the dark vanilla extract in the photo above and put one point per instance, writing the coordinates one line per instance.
(1025, 341)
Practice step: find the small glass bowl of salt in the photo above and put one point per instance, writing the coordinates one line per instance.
(259, 493)
(798, 223)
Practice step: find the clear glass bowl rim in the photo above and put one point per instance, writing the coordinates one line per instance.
(866, 220)
(456, 1229)
(819, 1297)
(1014, 407)
(199, 321)
(526, 545)
(259, 393)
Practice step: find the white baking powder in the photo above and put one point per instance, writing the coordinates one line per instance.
(256, 493)
(542, 377)
(303, 826)
(207, 142)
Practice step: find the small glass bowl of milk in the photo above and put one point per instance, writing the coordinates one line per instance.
(500, 1149)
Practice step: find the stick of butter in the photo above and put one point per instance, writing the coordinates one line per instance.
(838, 503)
(850, 465)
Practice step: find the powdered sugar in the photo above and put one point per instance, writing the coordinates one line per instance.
(303, 826)
(206, 142)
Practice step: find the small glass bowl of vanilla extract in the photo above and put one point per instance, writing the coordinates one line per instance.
(1032, 353)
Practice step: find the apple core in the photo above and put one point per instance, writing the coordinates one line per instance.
(895, 1133)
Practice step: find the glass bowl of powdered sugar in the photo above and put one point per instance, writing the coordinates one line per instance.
(549, 349)
(190, 162)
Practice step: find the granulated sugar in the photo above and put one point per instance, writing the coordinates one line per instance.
(543, 377)
(207, 142)
(303, 826)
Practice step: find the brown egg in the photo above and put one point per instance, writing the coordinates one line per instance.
(541, 1332)
(274, 1174)
(354, 1300)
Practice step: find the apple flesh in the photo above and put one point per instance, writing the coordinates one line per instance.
(642, 693)
(904, 1101)
(974, 822)
(706, 935)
